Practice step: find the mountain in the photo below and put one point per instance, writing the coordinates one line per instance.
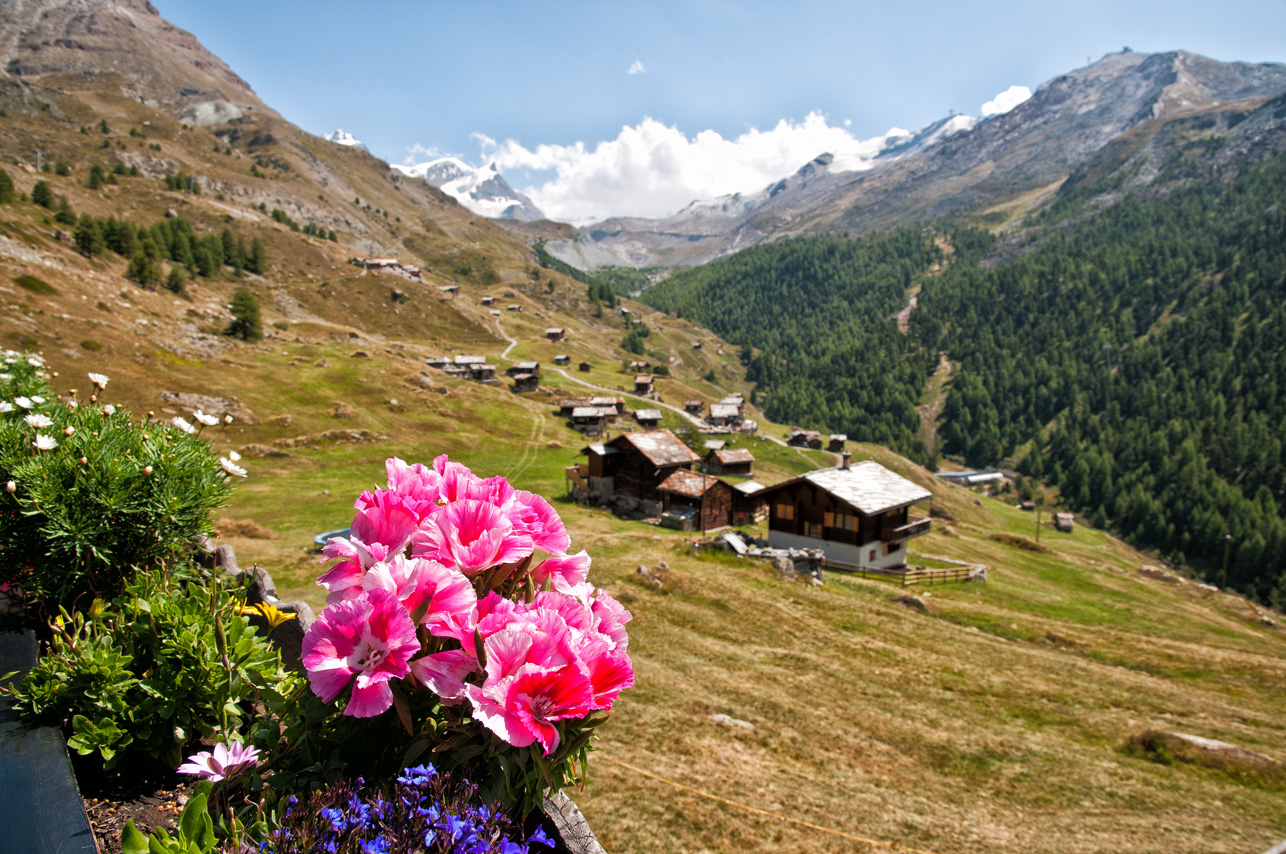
(958, 163)
(482, 190)
(339, 136)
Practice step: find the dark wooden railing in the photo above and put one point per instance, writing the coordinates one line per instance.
(906, 575)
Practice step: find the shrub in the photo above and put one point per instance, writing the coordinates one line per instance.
(167, 661)
(7, 194)
(35, 285)
(91, 345)
(109, 496)
(246, 323)
(42, 195)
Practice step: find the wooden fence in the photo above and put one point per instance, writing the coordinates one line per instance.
(909, 575)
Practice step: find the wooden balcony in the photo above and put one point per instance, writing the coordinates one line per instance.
(914, 528)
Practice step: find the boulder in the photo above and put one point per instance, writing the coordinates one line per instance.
(729, 721)
(913, 602)
(785, 568)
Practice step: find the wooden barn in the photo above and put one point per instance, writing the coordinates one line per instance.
(693, 407)
(634, 464)
(723, 415)
(616, 404)
(589, 420)
(728, 461)
(567, 404)
(858, 516)
(643, 384)
(555, 333)
(648, 417)
(525, 383)
(837, 442)
(805, 439)
(584, 367)
(749, 507)
(562, 359)
(702, 501)
(517, 368)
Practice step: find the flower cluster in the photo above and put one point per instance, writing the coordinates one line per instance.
(438, 587)
(426, 811)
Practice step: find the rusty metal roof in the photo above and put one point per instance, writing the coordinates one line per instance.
(647, 414)
(661, 447)
(586, 412)
(734, 455)
(724, 410)
(687, 482)
(606, 401)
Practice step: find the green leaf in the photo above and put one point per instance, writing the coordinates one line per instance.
(132, 841)
(190, 825)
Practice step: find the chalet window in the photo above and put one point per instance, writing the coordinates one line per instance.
(872, 555)
(785, 511)
(890, 548)
(812, 529)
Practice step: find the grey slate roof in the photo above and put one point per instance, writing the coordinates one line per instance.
(869, 487)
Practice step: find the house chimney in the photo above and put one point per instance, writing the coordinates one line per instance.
(844, 459)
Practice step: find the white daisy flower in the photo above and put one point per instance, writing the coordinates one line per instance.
(234, 456)
(45, 443)
(5, 406)
(24, 402)
(35, 398)
(38, 420)
(109, 409)
(182, 425)
(99, 380)
(6, 377)
(207, 420)
(231, 468)
(35, 362)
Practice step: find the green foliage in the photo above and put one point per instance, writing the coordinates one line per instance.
(177, 281)
(76, 528)
(633, 341)
(818, 311)
(246, 323)
(62, 169)
(1143, 350)
(42, 195)
(102, 126)
(167, 661)
(89, 237)
(182, 181)
(64, 215)
(7, 194)
(96, 177)
(35, 285)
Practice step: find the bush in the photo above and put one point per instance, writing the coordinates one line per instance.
(246, 323)
(42, 195)
(7, 194)
(168, 661)
(112, 496)
(35, 285)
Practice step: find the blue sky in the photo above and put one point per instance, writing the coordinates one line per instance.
(420, 79)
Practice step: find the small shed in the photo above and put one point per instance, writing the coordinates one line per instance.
(648, 417)
(640, 367)
(450, 290)
(588, 419)
(514, 307)
(837, 442)
(555, 333)
(488, 300)
(562, 359)
(693, 407)
(696, 345)
(709, 497)
(584, 367)
(567, 404)
(1064, 522)
(643, 384)
(495, 312)
(470, 360)
(525, 382)
(616, 404)
(438, 362)
(723, 415)
(728, 461)
(517, 368)
(805, 439)
(481, 373)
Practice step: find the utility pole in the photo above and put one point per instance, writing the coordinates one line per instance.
(1040, 502)
(39, 159)
(1227, 546)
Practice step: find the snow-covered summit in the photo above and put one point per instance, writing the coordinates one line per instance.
(481, 189)
(339, 136)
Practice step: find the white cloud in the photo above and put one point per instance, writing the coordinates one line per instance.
(418, 153)
(653, 170)
(1006, 101)
(636, 68)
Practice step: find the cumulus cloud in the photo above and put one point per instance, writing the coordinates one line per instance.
(652, 169)
(1006, 101)
(636, 68)
(418, 153)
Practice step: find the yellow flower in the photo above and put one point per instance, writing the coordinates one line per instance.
(274, 615)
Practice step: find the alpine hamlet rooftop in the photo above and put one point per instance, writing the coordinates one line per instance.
(869, 487)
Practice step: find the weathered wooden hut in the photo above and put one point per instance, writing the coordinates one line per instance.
(634, 464)
(532, 368)
(728, 461)
(704, 501)
(805, 439)
(859, 516)
(525, 383)
(643, 384)
(837, 442)
(584, 367)
(555, 333)
(567, 404)
(589, 420)
(647, 417)
(723, 415)
(693, 407)
(562, 359)
(749, 507)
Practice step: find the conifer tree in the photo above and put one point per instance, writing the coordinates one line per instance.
(6, 188)
(246, 323)
(42, 195)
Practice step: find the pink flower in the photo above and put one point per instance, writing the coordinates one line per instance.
(536, 517)
(470, 536)
(381, 530)
(522, 709)
(226, 760)
(455, 477)
(610, 618)
(449, 595)
(414, 481)
(444, 673)
(564, 573)
(367, 641)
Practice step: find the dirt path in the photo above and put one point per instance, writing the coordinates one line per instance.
(935, 398)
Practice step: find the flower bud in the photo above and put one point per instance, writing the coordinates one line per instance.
(11, 487)
(147, 470)
(69, 431)
(227, 419)
(84, 461)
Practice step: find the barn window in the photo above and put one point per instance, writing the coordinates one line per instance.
(812, 529)
(872, 555)
(890, 548)
(785, 511)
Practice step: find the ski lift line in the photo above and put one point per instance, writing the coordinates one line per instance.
(893, 846)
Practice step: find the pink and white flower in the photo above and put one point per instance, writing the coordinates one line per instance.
(224, 761)
(564, 573)
(367, 640)
(470, 536)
